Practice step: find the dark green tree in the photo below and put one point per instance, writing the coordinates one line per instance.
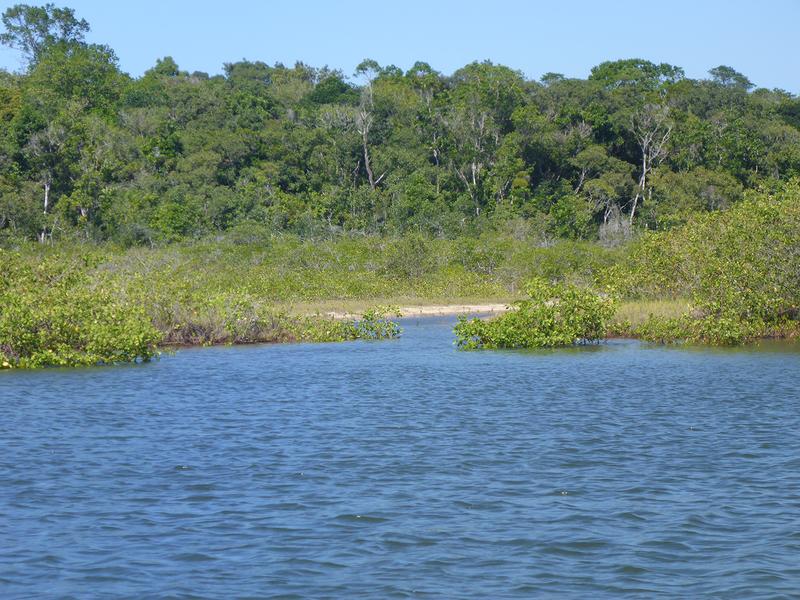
(34, 29)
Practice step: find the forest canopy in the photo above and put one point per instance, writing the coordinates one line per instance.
(89, 152)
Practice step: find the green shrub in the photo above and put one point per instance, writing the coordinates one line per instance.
(553, 315)
(50, 315)
(376, 325)
(741, 269)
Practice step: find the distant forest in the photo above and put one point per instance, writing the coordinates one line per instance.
(87, 151)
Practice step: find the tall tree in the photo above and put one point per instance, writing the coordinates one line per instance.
(730, 77)
(651, 127)
(365, 117)
(44, 152)
(33, 29)
(484, 97)
(635, 73)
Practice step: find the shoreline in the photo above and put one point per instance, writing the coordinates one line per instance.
(484, 309)
(433, 310)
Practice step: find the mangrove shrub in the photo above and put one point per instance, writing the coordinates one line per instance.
(51, 314)
(559, 314)
(741, 269)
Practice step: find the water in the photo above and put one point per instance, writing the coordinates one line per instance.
(405, 469)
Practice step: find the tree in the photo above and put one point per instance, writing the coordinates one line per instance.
(603, 179)
(333, 90)
(85, 74)
(651, 127)
(369, 69)
(167, 67)
(676, 196)
(635, 72)
(33, 29)
(428, 85)
(306, 149)
(550, 78)
(44, 152)
(365, 118)
(730, 77)
(484, 97)
(104, 155)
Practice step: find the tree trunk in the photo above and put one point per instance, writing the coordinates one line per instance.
(43, 233)
(475, 188)
(367, 166)
(642, 186)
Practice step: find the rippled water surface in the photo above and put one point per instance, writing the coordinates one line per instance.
(405, 469)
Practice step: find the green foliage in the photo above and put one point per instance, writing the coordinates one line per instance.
(242, 319)
(391, 185)
(635, 72)
(572, 217)
(249, 287)
(717, 330)
(678, 196)
(82, 308)
(739, 267)
(174, 156)
(51, 314)
(84, 74)
(553, 315)
(728, 76)
(332, 90)
(376, 325)
(35, 29)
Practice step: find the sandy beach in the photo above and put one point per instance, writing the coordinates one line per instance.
(436, 310)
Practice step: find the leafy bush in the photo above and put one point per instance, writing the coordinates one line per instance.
(718, 330)
(375, 324)
(74, 310)
(50, 315)
(554, 315)
(741, 268)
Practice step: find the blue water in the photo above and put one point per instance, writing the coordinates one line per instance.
(405, 469)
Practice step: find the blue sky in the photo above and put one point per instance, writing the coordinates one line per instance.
(760, 39)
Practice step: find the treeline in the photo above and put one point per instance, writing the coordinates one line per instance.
(88, 151)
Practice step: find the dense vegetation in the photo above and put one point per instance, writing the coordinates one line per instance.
(84, 304)
(735, 271)
(738, 270)
(88, 151)
(741, 269)
(552, 315)
(187, 208)
(81, 306)
(52, 314)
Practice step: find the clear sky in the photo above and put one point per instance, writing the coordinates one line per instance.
(760, 39)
